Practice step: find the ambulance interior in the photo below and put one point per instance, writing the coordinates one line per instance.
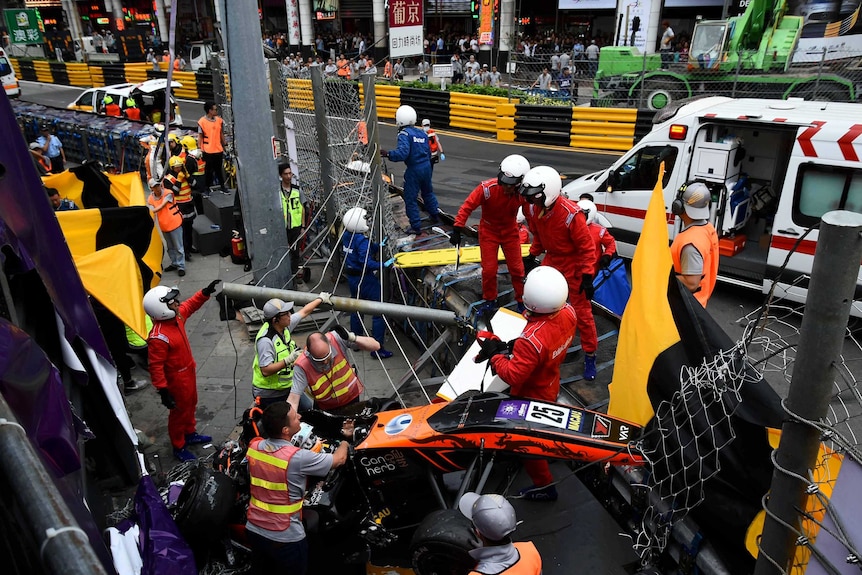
(744, 166)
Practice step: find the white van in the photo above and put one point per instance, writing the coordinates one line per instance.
(148, 95)
(7, 76)
(774, 168)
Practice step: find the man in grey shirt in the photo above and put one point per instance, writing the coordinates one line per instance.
(543, 82)
(279, 472)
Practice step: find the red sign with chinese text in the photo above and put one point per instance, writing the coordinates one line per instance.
(405, 13)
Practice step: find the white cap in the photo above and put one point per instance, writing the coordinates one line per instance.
(492, 515)
(695, 198)
(153, 183)
(426, 122)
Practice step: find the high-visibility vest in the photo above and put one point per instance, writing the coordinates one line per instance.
(705, 240)
(362, 132)
(283, 347)
(169, 217)
(135, 341)
(270, 506)
(343, 68)
(179, 184)
(291, 206)
(113, 110)
(44, 162)
(338, 386)
(529, 562)
(432, 142)
(211, 135)
(133, 113)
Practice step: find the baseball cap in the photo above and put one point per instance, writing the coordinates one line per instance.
(695, 198)
(35, 145)
(492, 515)
(426, 122)
(153, 183)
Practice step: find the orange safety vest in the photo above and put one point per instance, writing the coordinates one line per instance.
(362, 132)
(270, 506)
(211, 135)
(338, 386)
(179, 184)
(113, 110)
(133, 113)
(530, 562)
(43, 161)
(705, 239)
(343, 68)
(169, 217)
(176, 64)
(432, 141)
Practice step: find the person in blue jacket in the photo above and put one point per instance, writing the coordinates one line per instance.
(413, 149)
(360, 266)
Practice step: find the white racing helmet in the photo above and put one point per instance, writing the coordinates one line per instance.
(275, 306)
(156, 302)
(492, 515)
(405, 116)
(354, 220)
(545, 290)
(512, 170)
(590, 210)
(543, 180)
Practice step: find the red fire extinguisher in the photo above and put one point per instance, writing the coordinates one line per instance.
(237, 249)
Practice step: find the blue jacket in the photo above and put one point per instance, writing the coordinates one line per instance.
(413, 148)
(359, 252)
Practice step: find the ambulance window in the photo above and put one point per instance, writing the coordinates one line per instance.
(821, 189)
(640, 171)
(5, 68)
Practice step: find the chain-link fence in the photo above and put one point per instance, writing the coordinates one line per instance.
(626, 77)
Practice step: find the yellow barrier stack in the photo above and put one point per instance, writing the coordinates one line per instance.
(474, 111)
(388, 99)
(79, 75)
(16, 67)
(136, 72)
(97, 76)
(43, 71)
(189, 91)
(505, 122)
(603, 128)
(299, 94)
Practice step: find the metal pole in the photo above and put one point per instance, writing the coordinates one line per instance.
(370, 118)
(321, 124)
(643, 81)
(736, 77)
(261, 205)
(347, 304)
(278, 103)
(830, 295)
(819, 74)
(65, 548)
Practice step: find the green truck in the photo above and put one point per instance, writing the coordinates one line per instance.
(749, 55)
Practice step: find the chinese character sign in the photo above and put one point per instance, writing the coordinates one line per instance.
(406, 19)
(486, 21)
(292, 21)
(25, 26)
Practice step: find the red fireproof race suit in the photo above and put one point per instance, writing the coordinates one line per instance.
(605, 242)
(533, 370)
(172, 366)
(497, 229)
(561, 231)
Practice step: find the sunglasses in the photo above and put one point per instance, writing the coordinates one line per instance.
(321, 359)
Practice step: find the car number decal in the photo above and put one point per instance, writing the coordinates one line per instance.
(398, 424)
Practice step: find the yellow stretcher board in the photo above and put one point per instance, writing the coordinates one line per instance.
(430, 258)
(469, 375)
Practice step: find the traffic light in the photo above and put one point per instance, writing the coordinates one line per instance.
(474, 8)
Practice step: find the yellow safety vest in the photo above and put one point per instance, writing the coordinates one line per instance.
(282, 379)
(291, 206)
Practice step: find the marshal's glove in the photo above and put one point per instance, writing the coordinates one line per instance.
(530, 263)
(210, 289)
(344, 334)
(325, 297)
(605, 261)
(167, 399)
(384, 153)
(587, 286)
(490, 346)
(455, 237)
(291, 359)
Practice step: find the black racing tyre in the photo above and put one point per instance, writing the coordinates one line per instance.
(204, 504)
(441, 544)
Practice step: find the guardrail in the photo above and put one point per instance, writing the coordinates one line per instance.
(509, 121)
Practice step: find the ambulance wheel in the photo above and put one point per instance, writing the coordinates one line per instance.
(441, 544)
(661, 93)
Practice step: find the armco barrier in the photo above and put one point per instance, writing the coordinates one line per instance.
(26, 71)
(204, 86)
(136, 72)
(189, 91)
(43, 71)
(79, 75)
(388, 99)
(474, 111)
(112, 74)
(299, 95)
(608, 128)
(543, 124)
(431, 104)
(59, 72)
(505, 122)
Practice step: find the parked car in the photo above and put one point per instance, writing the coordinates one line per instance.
(7, 77)
(149, 97)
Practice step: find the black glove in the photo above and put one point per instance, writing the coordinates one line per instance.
(344, 333)
(167, 399)
(530, 263)
(490, 347)
(455, 237)
(210, 289)
(605, 261)
(587, 286)
(384, 153)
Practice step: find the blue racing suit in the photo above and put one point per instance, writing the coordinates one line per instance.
(360, 266)
(414, 151)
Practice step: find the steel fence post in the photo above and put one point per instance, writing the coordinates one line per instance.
(643, 81)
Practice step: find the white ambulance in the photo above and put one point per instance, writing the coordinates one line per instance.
(774, 168)
(7, 76)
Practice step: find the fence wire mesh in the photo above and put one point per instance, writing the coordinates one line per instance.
(767, 349)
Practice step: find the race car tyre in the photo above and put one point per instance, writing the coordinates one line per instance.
(204, 505)
(441, 544)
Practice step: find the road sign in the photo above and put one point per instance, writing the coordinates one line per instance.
(442, 71)
(406, 32)
(25, 26)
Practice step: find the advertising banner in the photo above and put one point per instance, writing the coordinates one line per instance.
(24, 26)
(486, 21)
(587, 4)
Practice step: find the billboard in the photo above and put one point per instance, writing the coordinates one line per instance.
(587, 4)
(406, 28)
(486, 21)
(24, 26)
